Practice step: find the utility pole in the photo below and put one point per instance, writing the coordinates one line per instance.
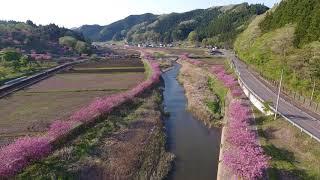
(314, 87)
(276, 113)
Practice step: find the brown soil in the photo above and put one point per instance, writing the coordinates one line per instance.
(111, 63)
(83, 81)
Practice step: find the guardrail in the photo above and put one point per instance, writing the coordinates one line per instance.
(8, 89)
(233, 66)
(298, 97)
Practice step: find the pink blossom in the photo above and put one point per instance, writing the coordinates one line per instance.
(185, 57)
(59, 128)
(23, 151)
(244, 156)
(17, 155)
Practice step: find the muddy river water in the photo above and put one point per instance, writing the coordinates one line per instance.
(196, 147)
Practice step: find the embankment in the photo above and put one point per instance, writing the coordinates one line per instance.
(201, 101)
(241, 154)
(27, 150)
(128, 144)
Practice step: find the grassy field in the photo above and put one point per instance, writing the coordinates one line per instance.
(294, 154)
(213, 60)
(30, 111)
(10, 74)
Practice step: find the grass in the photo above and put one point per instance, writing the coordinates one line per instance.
(95, 145)
(148, 69)
(32, 110)
(11, 74)
(55, 166)
(159, 55)
(294, 154)
(273, 51)
(213, 60)
(218, 88)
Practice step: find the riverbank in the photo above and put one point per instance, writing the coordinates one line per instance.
(128, 144)
(197, 82)
(196, 146)
(223, 171)
(202, 102)
(241, 154)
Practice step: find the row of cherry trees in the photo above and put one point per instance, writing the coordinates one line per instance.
(23, 151)
(244, 156)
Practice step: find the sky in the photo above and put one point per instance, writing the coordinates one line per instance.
(74, 13)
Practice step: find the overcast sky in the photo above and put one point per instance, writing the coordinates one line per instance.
(74, 13)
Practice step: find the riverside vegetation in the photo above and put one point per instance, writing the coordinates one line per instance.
(26, 150)
(201, 101)
(242, 153)
(128, 144)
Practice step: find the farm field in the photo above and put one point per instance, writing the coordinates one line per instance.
(180, 51)
(30, 111)
(75, 82)
(213, 60)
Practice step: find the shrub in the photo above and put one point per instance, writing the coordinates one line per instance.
(185, 57)
(228, 80)
(23, 151)
(244, 156)
(17, 155)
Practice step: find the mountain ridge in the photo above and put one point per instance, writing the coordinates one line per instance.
(173, 27)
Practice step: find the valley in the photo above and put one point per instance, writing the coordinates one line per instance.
(229, 91)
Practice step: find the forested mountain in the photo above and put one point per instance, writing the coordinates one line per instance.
(286, 37)
(116, 30)
(41, 39)
(217, 25)
(304, 13)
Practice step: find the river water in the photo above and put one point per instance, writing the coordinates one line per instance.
(196, 147)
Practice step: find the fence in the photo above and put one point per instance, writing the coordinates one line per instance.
(298, 97)
(306, 102)
(258, 102)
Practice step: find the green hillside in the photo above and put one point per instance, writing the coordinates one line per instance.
(40, 39)
(286, 37)
(217, 25)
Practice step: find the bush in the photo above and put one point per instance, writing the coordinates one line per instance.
(68, 41)
(23, 151)
(244, 157)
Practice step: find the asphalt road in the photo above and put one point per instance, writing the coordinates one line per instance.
(309, 123)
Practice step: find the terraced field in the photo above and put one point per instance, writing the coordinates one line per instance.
(30, 111)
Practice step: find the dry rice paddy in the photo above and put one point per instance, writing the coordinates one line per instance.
(30, 111)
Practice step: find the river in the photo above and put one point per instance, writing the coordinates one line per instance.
(196, 147)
